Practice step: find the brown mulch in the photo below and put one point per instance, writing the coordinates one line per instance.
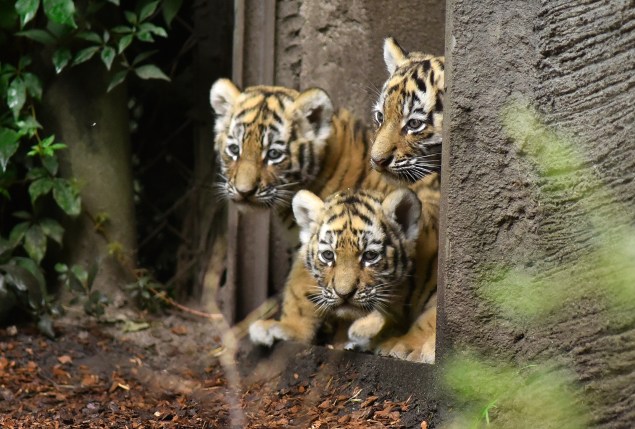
(87, 378)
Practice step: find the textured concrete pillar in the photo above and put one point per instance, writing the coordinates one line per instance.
(338, 45)
(508, 205)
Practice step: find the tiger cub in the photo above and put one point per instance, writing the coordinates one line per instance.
(357, 264)
(409, 115)
(273, 141)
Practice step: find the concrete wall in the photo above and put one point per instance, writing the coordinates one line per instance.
(337, 45)
(575, 63)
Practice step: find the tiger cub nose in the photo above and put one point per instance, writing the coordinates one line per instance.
(382, 162)
(345, 294)
(247, 193)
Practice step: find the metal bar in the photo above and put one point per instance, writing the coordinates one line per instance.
(248, 261)
(268, 42)
(239, 42)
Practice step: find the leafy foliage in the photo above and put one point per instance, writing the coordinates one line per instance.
(40, 39)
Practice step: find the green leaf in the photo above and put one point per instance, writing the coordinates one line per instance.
(25, 61)
(107, 56)
(150, 71)
(52, 229)
(130, 17)
(33, 85)
(28, 126)
(89, 36)
(26, 278)
(16, 96)
(34, 270)
(124, 42)
(61, 57)
(115, 2)
(5, 246)
(41, 36)
(154, 29)
(74, 284)
(85, 55)
(148, 10)
(61, 268)
(122, 29)
(51, 164)
(24, 215)
(35, 243)
(57, 146)
(95, 303)
(9, 143)
(117, 79)
(145, 36)
(40, 187)
(17, 233)
(41, 147)
(132, 326)
(79, 272)
(35, 173)
(170, 10)
(60, 11)
(67, 197)
(59, 31)
(26, 10)
(92, 274)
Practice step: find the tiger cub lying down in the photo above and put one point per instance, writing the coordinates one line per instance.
(356, 265)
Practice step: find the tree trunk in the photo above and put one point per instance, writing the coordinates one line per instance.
(94, 125)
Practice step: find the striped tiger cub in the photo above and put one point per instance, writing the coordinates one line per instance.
(409, 115)
(368, 258)
(273, 141)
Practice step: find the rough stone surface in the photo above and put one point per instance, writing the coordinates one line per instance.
(574, 62)
(338, 45)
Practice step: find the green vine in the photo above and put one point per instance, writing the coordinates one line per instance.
(39, 39)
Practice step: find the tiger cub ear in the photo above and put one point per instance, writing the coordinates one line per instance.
(394, 55)
(313, 110)
(223, 95)
(306, 208)
(403, 207)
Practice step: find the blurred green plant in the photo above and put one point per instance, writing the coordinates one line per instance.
(499, 395)
(522, 295)
(540, 393)
(38, 40)
(147, 293)
(80, 282)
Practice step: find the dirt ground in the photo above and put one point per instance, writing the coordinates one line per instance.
(172, 372)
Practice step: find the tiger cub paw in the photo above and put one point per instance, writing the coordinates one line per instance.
(408, 348)
(266, 332)
(362, 332)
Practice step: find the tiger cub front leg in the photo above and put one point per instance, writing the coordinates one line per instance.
(299, 320)
(418, 344)
(363, 331)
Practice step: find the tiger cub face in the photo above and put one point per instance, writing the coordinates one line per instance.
(409, 115)
(270, 141)
(359, 246)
